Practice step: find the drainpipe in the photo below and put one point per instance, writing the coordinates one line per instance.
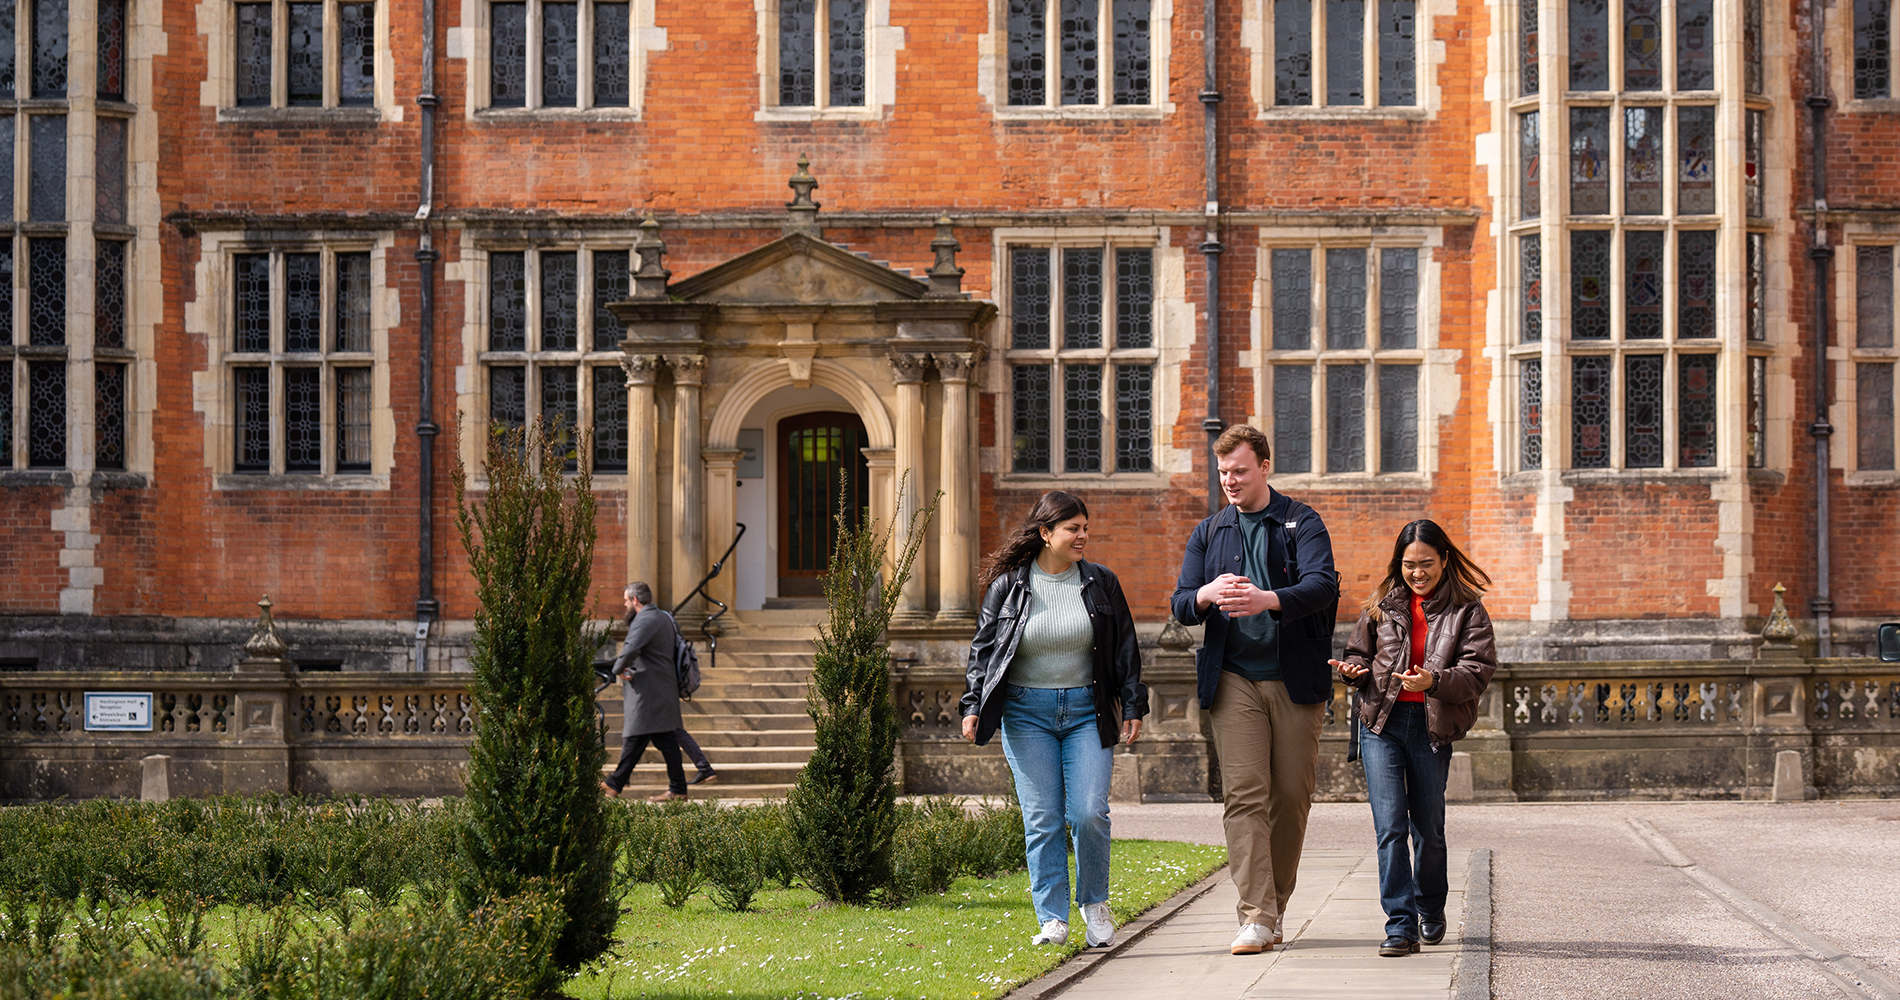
(1211, 246)
(427, 608)
(1822, 256)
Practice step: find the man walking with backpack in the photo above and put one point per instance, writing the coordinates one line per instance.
(650, 682)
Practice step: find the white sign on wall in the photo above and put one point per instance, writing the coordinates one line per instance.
(120, 710)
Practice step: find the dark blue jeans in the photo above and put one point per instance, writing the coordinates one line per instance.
(1405, 782)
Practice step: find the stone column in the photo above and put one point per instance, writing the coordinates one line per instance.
(722, 512)
(956, 531)
(907, 370)
(883, 490)
(689, 493)
(643, 485)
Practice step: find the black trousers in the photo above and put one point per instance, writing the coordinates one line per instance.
(692, 750)
(634, 746)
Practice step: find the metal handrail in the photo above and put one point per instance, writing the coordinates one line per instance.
(712, 641)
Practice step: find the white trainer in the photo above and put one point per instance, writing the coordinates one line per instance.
(1100, 925)
(1053, 932)
(1253, 939)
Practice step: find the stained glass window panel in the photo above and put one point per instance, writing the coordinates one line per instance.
(507, 301)
(46, 414)
(1643, 284)
(1753, 121)
(1398, 418)
(1345, 299)
(1398, 83)
(508, 55)
(1082, 418)
(356, 48)
(1028, 53)
(1873, 414)
(1756, 263)
(46, 199)
(108, 314)
(1029, 298)
(1030, 430)
(1082, 299)
(1345, 52)
(46, 290)
(1873, 54)
(1695, 44)
(1695, 284)
(560, 55)
(612, 283)
(560, 410)
(1643, 161)
(1589, 45)
(1132, 47)
(1293, 52)
(610, 419)
(1134, 299)
(253, 420)
(1530, 250)
(1292, 418)
(253, 54)
(613, 56)
(560, 301)
(111, 61)
(352, 302)
(1398, 298)
(306, 54)
(847, 52)
(1751, 46)
(303, 302)
(1527, 47)
(1757, 412)
(49, 48)
(1346, 418)
(109, 191)
(798, 53)
(1134, 418)
(1530, 414)
(1292, 300)
(507, 398)
(303, 420)
(8, 86)
(251, 309)
(1642, 45)
(1590, 284)
(108, 401)
(1081, 42)
(1643, 411)
(1589, 161)
(1695, 400)
(1530, 158)
(1695, 138)
(1873, 294)
(8, 124)
(1590, 413)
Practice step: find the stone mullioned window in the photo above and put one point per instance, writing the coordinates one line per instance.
(304, 54)
(1868, 382)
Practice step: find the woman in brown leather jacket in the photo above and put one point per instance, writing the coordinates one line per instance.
(1420, 656)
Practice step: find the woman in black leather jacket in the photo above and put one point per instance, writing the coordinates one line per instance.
(1054, 664)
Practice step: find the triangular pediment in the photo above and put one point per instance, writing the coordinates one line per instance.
(797, 269)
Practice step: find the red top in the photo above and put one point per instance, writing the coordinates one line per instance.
(1418, 646)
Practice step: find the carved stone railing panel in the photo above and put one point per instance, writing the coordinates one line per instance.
(194, 707)
(1854, 701)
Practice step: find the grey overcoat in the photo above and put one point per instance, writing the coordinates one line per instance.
(648, 679)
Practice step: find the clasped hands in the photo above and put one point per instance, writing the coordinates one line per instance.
(1237, 596)
(1414, 678)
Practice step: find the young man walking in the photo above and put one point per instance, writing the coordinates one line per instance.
(1260, 574)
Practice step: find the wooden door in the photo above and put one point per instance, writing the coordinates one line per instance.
(815, 449)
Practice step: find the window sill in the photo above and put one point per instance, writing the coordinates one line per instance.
(355, 481)
(1295, 482)
(1089, 480)
(1628, 477)
(63, 478)
(499, 115)
(1871, 106)
(324, 117)
(869, 113)
(1082, 112)
(1304, 112)
(1872, 478)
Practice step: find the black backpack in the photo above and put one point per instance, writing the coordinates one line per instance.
(685, 663)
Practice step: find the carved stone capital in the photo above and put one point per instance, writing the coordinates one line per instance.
(641, 369)
(907, 368)
(955, 367)
(688, 369)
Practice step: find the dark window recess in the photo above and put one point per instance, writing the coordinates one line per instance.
(1873, 385)
(112, 50)
(1081, 47)
(1873, 70)
(1589, 45)
(253, 420)
(1590, 412)
(610, 420)
(507, 398)
(507, 301)
(1133, 64)
(1292, 300)
(1082, 418)
(9, 85)
(1345, 52)
(319, 666)
(560, 410)
(1643, 284)
(1028, 53)
(352, 302)
(508, 55)
(1531, 272)
(847, 52)
(1293, 52)
(1695, 44)
(612, 283)
(1695, 284)
(8, 129)
(109, 193)
(1031, 418)
(1530, 414)
(356, 47)
(1029, 298)
(49, 48)
(251, 309)
(1082, 299)
(1293, 418)
(305, 83)
(253, 54)
(1590, 284)
(1643, 411)
(6, 415)
(18, 666)
(1398, 298)
(1346, 298)
(1134, 418)
(560, 301)
(46, 290)
(1695, 400)
(1345, 418)
(1134, 299)
(560, 55)
(1398, 418)
(303, 419)
(6, 293)
(108, 318)
(46, 199)
(1398, 72)
(798, 53)
(109, 416)
(303, 302)
(613, 62)
(352, 419)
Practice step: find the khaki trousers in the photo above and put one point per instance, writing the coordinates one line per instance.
(1269, 751)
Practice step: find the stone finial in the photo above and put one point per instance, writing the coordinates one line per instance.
(1780, 628)
(804, 211)
(649, 278)
(946, 278)
(265, 651)
(1174, 636)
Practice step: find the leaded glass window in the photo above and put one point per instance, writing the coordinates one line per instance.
(1097, 64)
(613, 282)
(1873, 296)
(1590, 284)
(1345, 299)
(1031, 424)
(356, 53)
(252, 421)
(1695, 283)
(1695, 44)
(507, 398)
(1530, 413)
(352, 415)
(1874, 357)
(560, 300)
(560, 408)
(1398, 418)
(560, 54)
(303, 420)
(1293, 52)
(253, 54)
(1643, 411)
(1398, 298)
(46, 414)
(613, 56)
(610, 419)
(1292, 300)
(108, 315)
(352, 302)
(1082, 418)
(1589, 45)
(6, 293)
(1873, 49)
(8, 127)
(1751, 46)
(1529, 159)
(303, 302)
(1527, 47)
(46, 290)
(1345, 418)
(1590, 412)
(1132, 59)
(111, 56)
(797, 52)
(303, 53)
(821, 41)
(1530, 254)
(1345, 51)
(1643, 284)
(1134, 298)
(251, 313)
(1757, 412)
(1080, 40)
(1324, 52)
(1398, 76)
(1030, 293)
(1134, 418)
(1642, 161)
(109, 191)
(49, 48)
(1873, 390)
(1082, 298)
(1695, 402)
(1752, 124)
(1293, 418)
(46, 183)
(305, 48)
(508, 55)
(8, 87)
(1756, 262)
(1028, 53)
(1642, 45)
(846, 57)
(1589, 161)
(507, 302)
(1695, 136)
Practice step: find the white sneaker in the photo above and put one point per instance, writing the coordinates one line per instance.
(1053, 932)
(1100, 924)
(1253, 939)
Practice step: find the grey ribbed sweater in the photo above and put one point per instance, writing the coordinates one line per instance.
(1054, 650)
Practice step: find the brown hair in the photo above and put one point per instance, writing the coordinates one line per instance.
(1239, 434)
(1025, 543)
(1467, 581)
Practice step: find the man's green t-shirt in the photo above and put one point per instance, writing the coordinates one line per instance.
(1253, 641)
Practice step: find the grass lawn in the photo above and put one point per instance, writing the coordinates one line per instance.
(971, 942)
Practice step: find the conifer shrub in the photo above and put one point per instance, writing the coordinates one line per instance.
(730, 861)
(535, 815)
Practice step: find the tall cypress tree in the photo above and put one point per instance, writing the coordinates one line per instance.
(536, 819)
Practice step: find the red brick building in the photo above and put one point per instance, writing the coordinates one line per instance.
(1557, 275)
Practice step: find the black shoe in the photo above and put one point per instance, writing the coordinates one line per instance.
(1398, 947)
(703, 777)
(1431, 930)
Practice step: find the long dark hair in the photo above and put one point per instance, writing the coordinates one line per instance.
(1467, 580)
(1025, 543)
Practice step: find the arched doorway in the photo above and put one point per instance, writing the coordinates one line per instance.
(814, 449)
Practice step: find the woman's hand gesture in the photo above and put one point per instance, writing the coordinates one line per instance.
(1350, 671)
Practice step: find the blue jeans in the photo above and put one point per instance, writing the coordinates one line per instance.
(1405, 782)
(1062, 772)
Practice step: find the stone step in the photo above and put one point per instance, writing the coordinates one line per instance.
(637, 792)
(723, 689)
(712, 739)
(723, 757)
(652, 773)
